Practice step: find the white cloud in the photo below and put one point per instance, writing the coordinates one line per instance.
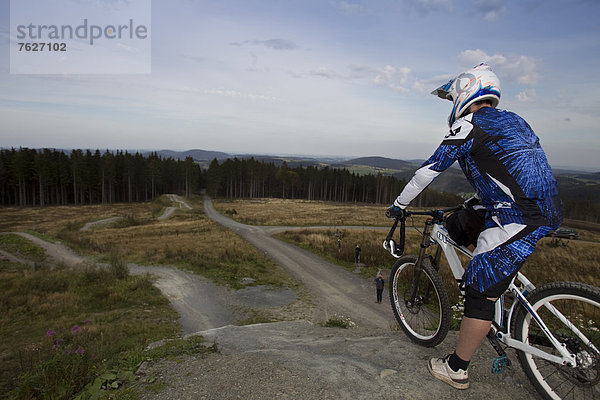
(398, 79)
(490, 10)
(229, 93)
(524, 70)
(326, 73)
(527, 96)
(427, 6)
(350, 8)
(275, 44)
(361, 71)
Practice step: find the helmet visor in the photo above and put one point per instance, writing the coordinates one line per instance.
(443, 92)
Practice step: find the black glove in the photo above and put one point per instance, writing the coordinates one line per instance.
(395, 212)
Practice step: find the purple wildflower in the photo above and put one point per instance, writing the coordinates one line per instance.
(67, 350)
(87, 321)
(80, 350)
(51, 332)
(75, 329)
(58, 342)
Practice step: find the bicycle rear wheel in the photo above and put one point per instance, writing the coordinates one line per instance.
(580, 304)
(425, 318)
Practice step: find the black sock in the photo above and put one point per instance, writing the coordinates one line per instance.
(456, 363)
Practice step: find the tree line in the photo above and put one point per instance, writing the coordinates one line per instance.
(53, 177)
(249, 178)
(39, 177)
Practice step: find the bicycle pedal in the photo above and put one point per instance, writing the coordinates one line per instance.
(499, 364)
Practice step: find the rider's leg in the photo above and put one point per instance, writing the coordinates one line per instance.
(476, 322)
(472, 333)
(492, 255)
(478, 316)
(500, 253)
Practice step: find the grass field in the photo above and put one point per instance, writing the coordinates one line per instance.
(188, 239)
(301, 212)
(66, 330)
(62, 328)
(289, 212)
(577, 261)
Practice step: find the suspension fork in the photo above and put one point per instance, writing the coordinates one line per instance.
(425, 243)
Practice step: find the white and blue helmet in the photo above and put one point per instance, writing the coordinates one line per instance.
(479, 83)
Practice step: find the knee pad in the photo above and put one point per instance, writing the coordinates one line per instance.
(478, 306)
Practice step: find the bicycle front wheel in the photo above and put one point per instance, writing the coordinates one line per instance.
(419, 301)
(577, 326)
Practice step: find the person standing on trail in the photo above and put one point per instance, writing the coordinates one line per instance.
(357, 254)
(379, 284)
(339, 236)
(502, 158)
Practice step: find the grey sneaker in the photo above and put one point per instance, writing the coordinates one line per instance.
(441, 370)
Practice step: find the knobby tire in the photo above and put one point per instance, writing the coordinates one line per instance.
(580, 304)
(425, 321)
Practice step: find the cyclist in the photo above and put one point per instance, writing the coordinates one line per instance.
(501, 157)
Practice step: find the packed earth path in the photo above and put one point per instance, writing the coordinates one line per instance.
(299, 359)
(335, 289)
(304, 360)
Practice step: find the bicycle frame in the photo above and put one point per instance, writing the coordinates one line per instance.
(436, 233)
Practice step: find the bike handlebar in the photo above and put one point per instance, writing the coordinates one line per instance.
(436, 214)
(390, 245)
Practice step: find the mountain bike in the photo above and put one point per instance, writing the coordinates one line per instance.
(554, 328)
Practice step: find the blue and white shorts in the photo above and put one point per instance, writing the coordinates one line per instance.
(499, 254)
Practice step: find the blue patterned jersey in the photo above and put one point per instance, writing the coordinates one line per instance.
(502, 158)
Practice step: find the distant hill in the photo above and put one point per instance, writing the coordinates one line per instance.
(571, 183)
(381, 162)
(196, 154)
(292, 162)
(452, 180)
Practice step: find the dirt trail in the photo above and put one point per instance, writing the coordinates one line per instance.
(58, 252)
(336, 290)
(302, 360)
(169, 211)
(101, 222)
(12, 258)
(200, 303)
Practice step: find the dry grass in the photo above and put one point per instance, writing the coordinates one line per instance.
(117, 316)
(51, 220)
(302, 212)
(578, 261)
(126, 311)
(188, 239)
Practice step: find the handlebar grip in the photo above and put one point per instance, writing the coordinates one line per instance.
(396, 212)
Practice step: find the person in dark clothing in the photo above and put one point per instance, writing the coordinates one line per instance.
(379, 283)
(357, 254)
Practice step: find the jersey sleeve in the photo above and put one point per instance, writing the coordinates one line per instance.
(456, 143)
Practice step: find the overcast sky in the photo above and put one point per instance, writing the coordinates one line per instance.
(320, 77)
